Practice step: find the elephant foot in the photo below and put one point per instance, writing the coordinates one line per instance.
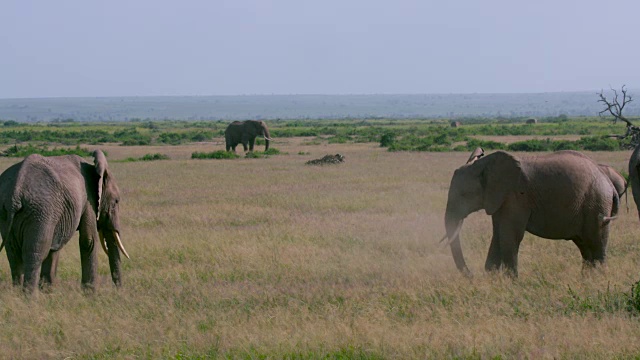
(88, 289)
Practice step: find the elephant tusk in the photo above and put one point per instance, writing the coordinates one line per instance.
(103, 243)
(455, 235)
(266, 138)
(119, 243)
(443, 238)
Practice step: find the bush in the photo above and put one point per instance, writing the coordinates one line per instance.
(11, 123)
(156, 156)
(339, 139)
(387, 139)
(531, 145)
(220, 154)
(148, 157)
(22, 151)
(595, 143)
(472, 144)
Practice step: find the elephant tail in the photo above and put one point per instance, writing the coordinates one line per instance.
(10, 214)
(614, 210)
(626, 195)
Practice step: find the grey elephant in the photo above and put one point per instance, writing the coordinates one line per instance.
(245, 132)
(562, 195)
(43, 201)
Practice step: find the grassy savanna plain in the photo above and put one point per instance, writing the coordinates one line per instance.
(272, 258)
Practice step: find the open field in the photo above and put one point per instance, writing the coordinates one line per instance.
(271, 258)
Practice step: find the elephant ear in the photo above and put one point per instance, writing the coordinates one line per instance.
(502, 175)
(100, 162)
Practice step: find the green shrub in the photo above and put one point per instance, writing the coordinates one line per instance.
(387, 139)
(531, 145)
(156, 156)
(22, 151)
(339, 139)
(596, 143)
(11, 123)
(220, 154)
(472, 144)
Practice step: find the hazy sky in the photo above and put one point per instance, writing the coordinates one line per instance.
(155, 47)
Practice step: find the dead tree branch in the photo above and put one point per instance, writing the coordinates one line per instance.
(615, 108)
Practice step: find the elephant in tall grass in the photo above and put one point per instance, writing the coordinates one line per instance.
(245, 132)
(562, 195)
(44, 201)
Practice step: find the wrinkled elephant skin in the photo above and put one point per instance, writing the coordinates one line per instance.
(44, 201)
(563, 195)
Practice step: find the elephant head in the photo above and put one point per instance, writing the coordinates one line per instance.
(108, 215)
(262, 130)
(482, 183)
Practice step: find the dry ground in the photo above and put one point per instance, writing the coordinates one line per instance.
(274, 258)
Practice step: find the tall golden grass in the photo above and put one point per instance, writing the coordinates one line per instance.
(256, 258)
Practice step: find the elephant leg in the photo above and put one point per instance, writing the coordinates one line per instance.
(494, 258)
(32, 266)
(49, 269)
(593, 248)
(244, 145)
(88, 249)
(35, 249)
(510, 224)
(16, 265)
(251, 143)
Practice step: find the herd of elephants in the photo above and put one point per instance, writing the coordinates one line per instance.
(560, 195)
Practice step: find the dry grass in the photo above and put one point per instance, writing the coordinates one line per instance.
(272, 258)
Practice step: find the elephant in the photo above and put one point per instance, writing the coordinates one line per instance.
(245, 132)
(634, 176)
(43, 201)
(562, 195)
(618, 181)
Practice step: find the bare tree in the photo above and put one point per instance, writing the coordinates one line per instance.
(614, 107)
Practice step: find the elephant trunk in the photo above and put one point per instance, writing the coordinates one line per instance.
(453, 225)
(112, 245)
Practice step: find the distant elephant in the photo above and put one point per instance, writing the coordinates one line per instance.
(619, 182)
(43, 201)
(245, 132)
(563, 195)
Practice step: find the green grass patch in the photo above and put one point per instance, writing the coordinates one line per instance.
(26, 150)
(261, 154)
(148, 157)
(444, 142)
(220, 154)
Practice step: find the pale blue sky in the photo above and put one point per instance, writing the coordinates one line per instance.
(154, 47)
